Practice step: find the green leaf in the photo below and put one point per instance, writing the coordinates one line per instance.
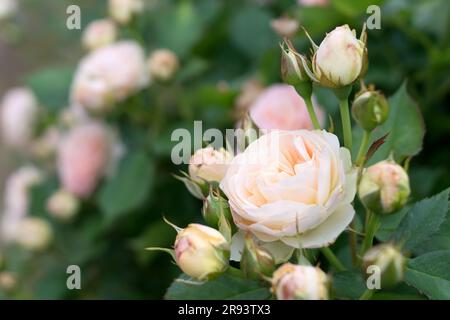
(439, 241)
(129, 188)
(430, 274)
(223, 287)
(405, 127)
(348, 284)
(250, 31)
(52, 86)
(354, 8)
(422, 221)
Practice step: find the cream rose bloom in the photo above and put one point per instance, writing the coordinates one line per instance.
(292, 186)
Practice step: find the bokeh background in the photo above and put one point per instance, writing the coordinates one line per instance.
(221, 45)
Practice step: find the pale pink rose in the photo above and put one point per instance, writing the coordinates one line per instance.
(109, 75)
(280, 107)
(311, 3)
(292, 186)
(83, 158)
(16, 199)
(18, 114)
(208, 164)
(99, 33)
(285, 26)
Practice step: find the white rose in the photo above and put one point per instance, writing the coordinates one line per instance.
(18, 113)
(339, 60)
(292, 186)
(109, 75)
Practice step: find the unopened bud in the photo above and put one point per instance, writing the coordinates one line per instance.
(214, 206)
(63, 205)
(8, 281)
(298, 282)
(162, 65)
(384, 187)
(390, 262)
(340, 58)
(201, 252)
(292, 68)
(256, 262)
(370, 110)
(285, 26)
(209, 165)
(34, 234)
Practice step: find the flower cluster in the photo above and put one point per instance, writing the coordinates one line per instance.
(294, 186)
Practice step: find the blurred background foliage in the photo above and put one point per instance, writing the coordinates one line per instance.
(220, 44)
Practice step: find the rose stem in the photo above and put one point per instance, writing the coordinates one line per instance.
(332, 259)
(367, 294)
(312, 112)
(353, 243)
(363, 148)
(235, 272)
(373, 223)
(346, 124)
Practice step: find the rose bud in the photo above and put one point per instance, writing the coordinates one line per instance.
(122, 11)
(18, 114)
(285, 26)
(384, 187)
(16, 200)
(298, 282)
(46, 145)
(63, 205)
(99, 33)
(293, 66)
(34, 234)
(209, 165)
(162, 65)
(201, 252)
(313, 3)
(214, 206)
(370, 110)
(256, 262)
(390, 262)
(8, 281)
(340, 58)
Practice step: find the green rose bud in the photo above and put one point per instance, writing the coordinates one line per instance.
(256, 262)
(370, 110)
(214, 206)
(390, 262)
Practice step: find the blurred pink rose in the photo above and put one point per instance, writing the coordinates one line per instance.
(99, 33)
(83, 158)
(18, 112)
(310, 3)
(280, 107)
(109, 75)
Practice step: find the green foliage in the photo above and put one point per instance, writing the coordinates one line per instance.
(422, 221)
(430, 274)
(225, 287)
(129, 188)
